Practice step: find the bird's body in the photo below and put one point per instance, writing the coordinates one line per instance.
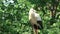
(35, 19)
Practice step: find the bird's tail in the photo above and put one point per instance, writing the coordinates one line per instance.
(40, 25)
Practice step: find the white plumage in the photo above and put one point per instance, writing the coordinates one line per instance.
(37, 17)
(33, 16)
(35, 20)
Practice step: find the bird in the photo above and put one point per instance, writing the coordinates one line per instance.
(35, 20)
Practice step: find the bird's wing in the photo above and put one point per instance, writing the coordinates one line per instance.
(38, 17)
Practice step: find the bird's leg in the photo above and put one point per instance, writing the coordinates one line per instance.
(36, 30)
(33, 30)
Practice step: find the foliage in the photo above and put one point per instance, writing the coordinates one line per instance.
(14, 16)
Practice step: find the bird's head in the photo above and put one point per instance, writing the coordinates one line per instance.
(32, 10)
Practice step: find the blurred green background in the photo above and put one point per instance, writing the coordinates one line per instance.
(14, 16)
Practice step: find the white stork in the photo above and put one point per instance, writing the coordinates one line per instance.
(35, 20)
